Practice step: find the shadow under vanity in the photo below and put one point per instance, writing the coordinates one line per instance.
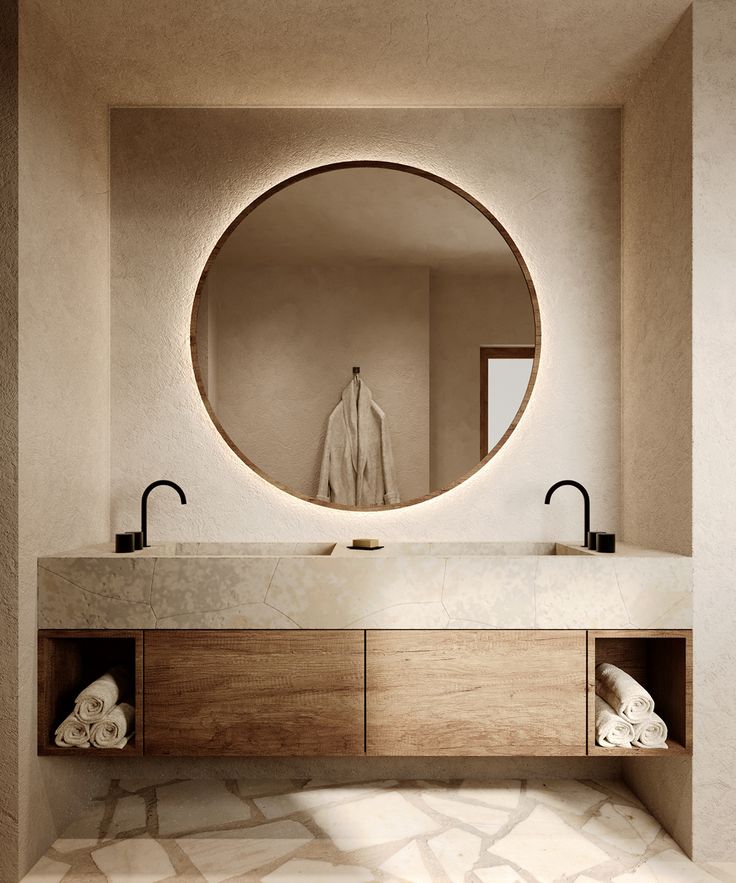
(303, 650)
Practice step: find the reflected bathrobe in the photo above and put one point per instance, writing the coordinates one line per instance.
(357, 463)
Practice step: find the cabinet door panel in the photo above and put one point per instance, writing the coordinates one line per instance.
(476, 692)
(254, 692)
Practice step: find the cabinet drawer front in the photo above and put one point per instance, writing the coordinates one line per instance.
(476, 692)
(254, 693)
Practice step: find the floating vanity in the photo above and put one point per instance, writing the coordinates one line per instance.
(415, 649)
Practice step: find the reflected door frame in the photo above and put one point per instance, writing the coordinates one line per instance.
(486, 354)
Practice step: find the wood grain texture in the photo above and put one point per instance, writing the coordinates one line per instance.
(475, 692)
(662, 662)
(243, 693)
(373, 164)
(69, 660)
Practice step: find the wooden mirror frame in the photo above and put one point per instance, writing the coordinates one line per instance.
(369, 164)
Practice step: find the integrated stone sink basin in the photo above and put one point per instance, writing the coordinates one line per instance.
(461, 550)
(267, 550)
(390, 550)
(434, 585)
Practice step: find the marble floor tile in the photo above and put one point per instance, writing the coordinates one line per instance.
(486, 819)
(501, 874)
(129, 815)
(617, 786)
(83, 832)
(413, 831)
(309, 871)
(564, 795)
(134, 785)
(504, 794)
(456, 851)
(383, 818)
(46, 870)
(142, 861)
(407, 864)
(726, 870)
(311, 798)
(197, 805)
(262, 787)
(625, 827)
(669, 866)
(547, 847)
(218, 858)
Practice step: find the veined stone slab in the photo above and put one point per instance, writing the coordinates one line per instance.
(507, 587)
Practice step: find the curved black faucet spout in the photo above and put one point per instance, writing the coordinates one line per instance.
(144, 503)
(586, 502)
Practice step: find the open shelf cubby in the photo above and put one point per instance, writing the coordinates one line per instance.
(661, 661)
(70, 660)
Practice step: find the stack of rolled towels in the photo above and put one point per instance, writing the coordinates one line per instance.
(100, 719)
(624, 712)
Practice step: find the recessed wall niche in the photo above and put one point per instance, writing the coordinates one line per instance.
(365, 335)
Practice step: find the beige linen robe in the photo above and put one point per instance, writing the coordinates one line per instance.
(357, 463)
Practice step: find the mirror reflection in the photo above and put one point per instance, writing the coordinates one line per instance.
(365, 336)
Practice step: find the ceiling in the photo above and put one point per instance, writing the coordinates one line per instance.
(369, 216)
(363, 52)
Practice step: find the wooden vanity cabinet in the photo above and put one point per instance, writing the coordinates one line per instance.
(476, 692)
(243, 693)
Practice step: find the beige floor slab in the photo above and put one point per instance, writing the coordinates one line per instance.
(548, 848)
(238, 852)
(413, 831)
(310, 871)
(456, 851)
(407, 864)
(383, 818)
(142, 861)
(197, 805)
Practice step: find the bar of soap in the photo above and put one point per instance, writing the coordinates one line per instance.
(366, 544)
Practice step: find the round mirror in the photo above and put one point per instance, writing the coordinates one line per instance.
(365, 335)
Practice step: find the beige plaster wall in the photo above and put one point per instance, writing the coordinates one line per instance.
(178, 178)
(656, 351)
(714, 426)
(466, 313)
(63, 377)
(656, 301)
(9, 439)
(287, 340)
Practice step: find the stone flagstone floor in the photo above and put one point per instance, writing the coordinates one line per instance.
(412, 831)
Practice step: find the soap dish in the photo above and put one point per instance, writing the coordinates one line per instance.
(366, 549)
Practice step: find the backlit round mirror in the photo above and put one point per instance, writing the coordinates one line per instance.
(365, 335)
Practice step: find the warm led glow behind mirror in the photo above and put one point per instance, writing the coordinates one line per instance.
(380, 268)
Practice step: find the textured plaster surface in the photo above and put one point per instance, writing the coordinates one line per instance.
(63, 376)
(9, 438)
(656, 247)
(179, 176)
(656, 364)
(714, 425)
(322, 52)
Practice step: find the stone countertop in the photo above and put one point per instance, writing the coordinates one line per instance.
(326, 586)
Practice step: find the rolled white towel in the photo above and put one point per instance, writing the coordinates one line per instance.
(114, 730)
(626, 696)
(94, 702)
(611, 730)
(72, 733)
(651, 733)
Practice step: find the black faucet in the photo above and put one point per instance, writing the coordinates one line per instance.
(144, 504)
(586, 501)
